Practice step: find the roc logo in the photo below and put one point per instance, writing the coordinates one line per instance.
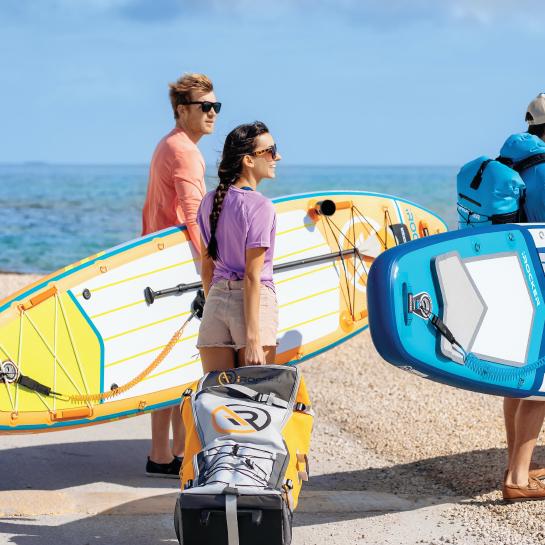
(235, 418)
(228, 377)
(412, 224)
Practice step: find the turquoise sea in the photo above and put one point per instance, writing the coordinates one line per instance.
(53, 215)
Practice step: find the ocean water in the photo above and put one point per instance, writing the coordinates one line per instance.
(53, 215)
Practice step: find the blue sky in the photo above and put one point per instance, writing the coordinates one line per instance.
(338, 82)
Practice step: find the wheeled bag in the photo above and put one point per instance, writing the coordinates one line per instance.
(246, 456)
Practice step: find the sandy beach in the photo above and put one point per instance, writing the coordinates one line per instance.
(385, 431)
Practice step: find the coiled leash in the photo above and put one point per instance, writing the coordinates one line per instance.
(495, 371)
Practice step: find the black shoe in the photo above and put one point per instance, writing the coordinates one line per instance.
(169, 471)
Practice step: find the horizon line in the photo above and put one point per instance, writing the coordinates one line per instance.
(213, 166)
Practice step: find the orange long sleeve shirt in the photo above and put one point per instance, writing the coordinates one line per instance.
(176, 186)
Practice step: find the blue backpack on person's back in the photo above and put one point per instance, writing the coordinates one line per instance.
(491, 191)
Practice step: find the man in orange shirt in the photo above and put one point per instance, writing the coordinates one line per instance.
(175, 190)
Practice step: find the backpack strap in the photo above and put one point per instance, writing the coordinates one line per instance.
(231, 515)
(478, 178)
(505, 161)
(248, 393)
(529, 162)
(268, 399)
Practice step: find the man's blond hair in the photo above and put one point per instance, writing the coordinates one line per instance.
(180, 91)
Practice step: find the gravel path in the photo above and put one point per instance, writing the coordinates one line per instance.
(413, 436)
(382, 429)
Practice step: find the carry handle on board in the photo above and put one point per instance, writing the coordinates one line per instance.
(256, 514)
(328, 207)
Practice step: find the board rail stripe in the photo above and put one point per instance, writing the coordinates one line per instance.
(293, 326)
(146, 325)
(298, 228)
(140, 301)
(123, 307)
(148, 351)
(151, 324)
(174, 368)
(142, 275)
(308, 297)
(313, 271)
(301, 251)
(196, 334)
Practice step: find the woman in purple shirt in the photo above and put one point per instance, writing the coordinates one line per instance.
(238, 226)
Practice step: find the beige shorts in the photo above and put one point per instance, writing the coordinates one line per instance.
(223, 323)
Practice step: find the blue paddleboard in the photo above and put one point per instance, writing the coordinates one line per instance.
(465, 308)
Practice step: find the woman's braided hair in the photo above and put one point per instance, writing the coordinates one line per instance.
(239, 142)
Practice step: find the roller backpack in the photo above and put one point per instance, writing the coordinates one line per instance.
(246, 456)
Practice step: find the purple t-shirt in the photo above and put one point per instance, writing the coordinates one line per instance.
(247, 220)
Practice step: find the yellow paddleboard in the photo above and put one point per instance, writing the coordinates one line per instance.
(87, 329)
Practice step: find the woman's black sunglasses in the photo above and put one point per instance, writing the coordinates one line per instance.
(206, 106)
(272, 150)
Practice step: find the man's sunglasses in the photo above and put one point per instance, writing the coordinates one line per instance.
(206, 106)
(272, 150)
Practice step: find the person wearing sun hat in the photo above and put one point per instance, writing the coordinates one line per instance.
(535, 114)
(523, 418)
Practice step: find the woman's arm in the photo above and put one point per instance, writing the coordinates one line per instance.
(255, 258)
(207, 268)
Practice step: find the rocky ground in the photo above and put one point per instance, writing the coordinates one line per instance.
(431, 439)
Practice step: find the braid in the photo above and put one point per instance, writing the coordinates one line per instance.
(219, 196)
(239, 143)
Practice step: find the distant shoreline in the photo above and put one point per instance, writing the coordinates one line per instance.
(13, 272)
(19, 273)
(211, 167)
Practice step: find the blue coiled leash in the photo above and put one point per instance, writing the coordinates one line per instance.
(495, 371)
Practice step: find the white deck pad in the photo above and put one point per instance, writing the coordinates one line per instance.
(504, 334)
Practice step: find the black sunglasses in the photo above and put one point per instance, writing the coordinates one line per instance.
(206, 106)
(272, 149)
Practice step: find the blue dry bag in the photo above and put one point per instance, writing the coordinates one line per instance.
(489, 192)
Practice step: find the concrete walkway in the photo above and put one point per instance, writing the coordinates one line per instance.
(87, 486)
